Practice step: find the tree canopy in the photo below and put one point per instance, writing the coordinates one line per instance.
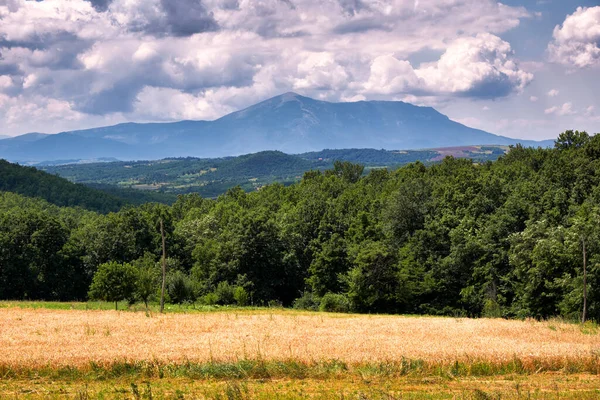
(497, 238)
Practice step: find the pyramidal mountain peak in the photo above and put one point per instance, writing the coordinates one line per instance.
(290, 122)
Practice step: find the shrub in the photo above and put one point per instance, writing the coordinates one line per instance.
(333, 302)
(180, 288)
(241, 296)
(491, 309)
(225, 293)
(308, 301)
(209, 299)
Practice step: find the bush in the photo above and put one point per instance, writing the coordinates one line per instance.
(180, 288)
(491, 309)
(241, 296)
(308, 301)
(225, 293)
(332, 302)
(209, 299)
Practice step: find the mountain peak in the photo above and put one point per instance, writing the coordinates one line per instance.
(289, 122)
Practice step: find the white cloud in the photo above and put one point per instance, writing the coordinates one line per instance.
(577, 42)
(533, 99)
(390, 75)
(320, 71)
(565, 109)
(590, 111)
(553, 93)
(123, 59)
(482, 66)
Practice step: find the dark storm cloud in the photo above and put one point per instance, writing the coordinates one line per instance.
(352, 7)
(181, 18)
(39, 41)
(492, 88)
(360, 26)
(54, 50)
(119, 98)
(9, 69)
(100, 5)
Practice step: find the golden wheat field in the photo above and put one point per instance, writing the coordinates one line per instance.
(41, 337)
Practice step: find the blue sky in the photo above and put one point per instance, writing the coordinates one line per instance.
(526, 69)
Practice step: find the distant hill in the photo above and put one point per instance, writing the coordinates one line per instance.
(212, 177)
(31, 182)
(289, 123)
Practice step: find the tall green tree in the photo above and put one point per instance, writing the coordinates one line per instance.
(113, 281)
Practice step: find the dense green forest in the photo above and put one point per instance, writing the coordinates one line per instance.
(213, 177)
(32, 182)
(500, 238)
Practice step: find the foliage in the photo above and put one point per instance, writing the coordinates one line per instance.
(333, 302)
(180, 288)
(31, 182)
(147, 279)
(158, 181)
(498, 239)
(113, 282)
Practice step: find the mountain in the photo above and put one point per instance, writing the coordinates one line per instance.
(2, 137)
(290, 123)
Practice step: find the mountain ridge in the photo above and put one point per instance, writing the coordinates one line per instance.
(290, 123)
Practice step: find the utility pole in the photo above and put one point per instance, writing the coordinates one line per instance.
(164, 267)
(584, 282)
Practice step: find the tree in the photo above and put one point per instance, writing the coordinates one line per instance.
(348, 171)
(571, 139)
(113, 282)
(147, 278)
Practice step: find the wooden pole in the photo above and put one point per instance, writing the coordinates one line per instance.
(584, 282)
(164, 268)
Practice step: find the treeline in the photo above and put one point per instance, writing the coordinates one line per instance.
(32, 182)
(500, 238)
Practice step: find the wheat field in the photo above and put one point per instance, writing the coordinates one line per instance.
(41, 337)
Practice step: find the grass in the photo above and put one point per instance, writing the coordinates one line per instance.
(87, 350)
(123, 306)
(547, 387)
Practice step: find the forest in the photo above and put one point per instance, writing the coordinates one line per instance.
(501, 239)
(211, 177)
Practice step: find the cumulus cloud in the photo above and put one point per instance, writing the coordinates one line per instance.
(100, 5)
(170, 59)
(533, 99)
(577, 42)
(482, 67)
(391, 76)
(565, 109)
(553, 93)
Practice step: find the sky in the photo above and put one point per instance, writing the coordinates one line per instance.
(525, 69)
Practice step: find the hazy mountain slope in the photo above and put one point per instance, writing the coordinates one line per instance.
(290, 123)
(299, 124)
